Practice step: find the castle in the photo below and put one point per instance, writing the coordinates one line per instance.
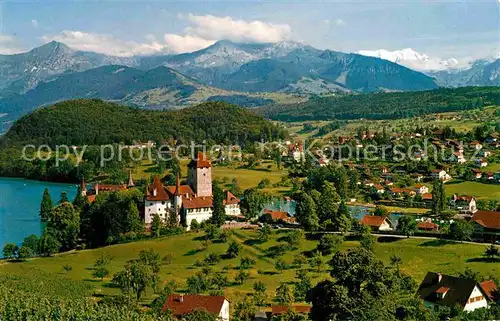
(193, 201)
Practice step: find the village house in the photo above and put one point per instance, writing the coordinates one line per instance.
(181, 305)
(477, 173)
(440, 290)
(480, 162)
(458, 157)
(491, 138)
(296, 152)
(280, 216)
(379, 188)
(231, 204)
(440, 174)
(487, 224)
(427, 226)
(421, 189)
(465, 204)
(484, 153)
(475, 145)
(377, 223)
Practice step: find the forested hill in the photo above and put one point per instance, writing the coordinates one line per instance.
(94, 122)
(385, 105)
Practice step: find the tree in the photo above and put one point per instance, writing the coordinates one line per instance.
(244, 310)
(247, 262)
(197, 283)
(306, 212)
(133, 221)
(368, 242)
(195, 226)
(253, 202)
(303, 285)
(396, 261)
(49, 244)
(280, 265)
(316, 261)
(151, 259)
(264, 233)
(461, 230)
(100, 272)
(241, 277)
(32, 242)
(219, 213)
(200, 315)
(327, 207)
(381, 211)
(329, 243)
(284, 294)
(64, 198)
(25, 253)
(406, 225)
(46, 206)
(259, 293)
(438, 197)
(135, 278)
(342, 220)
(65, 225)
(156, 225)
(492, 251)
(10, 250)
(295, 238)
(233, 250)
(299, 260)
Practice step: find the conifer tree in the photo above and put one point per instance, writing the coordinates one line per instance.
(46, 206)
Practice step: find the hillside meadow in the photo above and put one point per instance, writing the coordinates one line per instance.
(418, 257)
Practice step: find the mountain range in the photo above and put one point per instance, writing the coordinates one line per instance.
(246, 74)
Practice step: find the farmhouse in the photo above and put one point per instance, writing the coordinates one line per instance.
(480, 162)
(427, 226)
(444, 290)
(231, 204)
(377, 223)
(465, 204)
(440, 174)
(180, 305)
(475, 145)
(487, 224)
(421, 189)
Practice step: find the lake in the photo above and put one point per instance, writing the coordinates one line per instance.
(20, 206)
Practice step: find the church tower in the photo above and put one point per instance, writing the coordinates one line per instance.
(200, 175)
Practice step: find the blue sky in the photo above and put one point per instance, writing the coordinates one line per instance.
(460, 29)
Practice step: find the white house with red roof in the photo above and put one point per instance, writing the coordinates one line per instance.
(181, 305)
(377, 223)
(231, 204)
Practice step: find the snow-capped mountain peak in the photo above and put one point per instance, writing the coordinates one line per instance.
(412, 59)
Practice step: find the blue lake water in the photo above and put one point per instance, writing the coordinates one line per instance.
(20, 206)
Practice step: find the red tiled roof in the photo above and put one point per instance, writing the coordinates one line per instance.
(280, 309)
(230, 199)
(373, 220)
(427, 196)
(183, 190)
(466, 198)
(490, 288)
(161, 193)
(197, 202)
(184, 304)
(91, 198)
(200, 162)
(277, 215)
(487, 219)
(427, 226)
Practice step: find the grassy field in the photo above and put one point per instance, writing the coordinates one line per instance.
(479, 190)
(419, 256)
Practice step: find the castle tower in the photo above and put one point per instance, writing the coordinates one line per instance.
(130, 180)
(83, 187)
(177, 195)
(200, 175)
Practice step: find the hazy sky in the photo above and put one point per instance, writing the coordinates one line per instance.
(438, 28)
